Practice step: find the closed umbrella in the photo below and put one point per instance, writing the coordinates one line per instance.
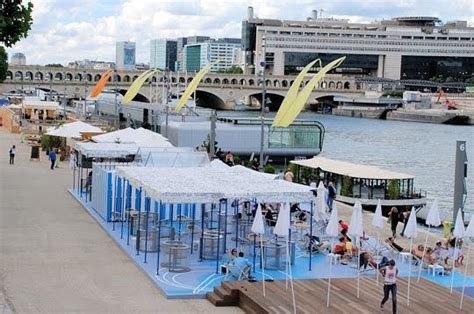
(434, 220)
(469, 233)
(282, 229)
(458, 233)
(321, 204)
(356, 231)
(332, 230)
(259, 228)
(410, 232)
(377, 222)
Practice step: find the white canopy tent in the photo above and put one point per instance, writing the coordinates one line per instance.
(142, 137)
(73, 129)
(351, 170)
(106, 150)
(206, 185)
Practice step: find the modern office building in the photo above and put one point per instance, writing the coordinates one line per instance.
(125, 55)
(18, 58)
(163, 54)
(197, 56)
(400, 48)
(183, 41)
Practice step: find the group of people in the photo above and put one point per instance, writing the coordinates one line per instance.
(244, 267)
(395, 217)
(52, 155)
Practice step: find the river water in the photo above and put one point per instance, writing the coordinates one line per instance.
(424, 150)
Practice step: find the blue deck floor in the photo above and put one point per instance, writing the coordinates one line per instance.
(203, 277)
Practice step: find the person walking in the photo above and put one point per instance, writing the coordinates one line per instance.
(12, 153)
(406, 216)
(331, 195)
(394, 218)
(52, 157)
(390, 274)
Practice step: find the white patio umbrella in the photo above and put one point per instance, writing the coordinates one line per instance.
(458, 233)
(321, 204)
(469, 233)
(332, 230)
(259, 228)
(377, 222)
(434, 220)
(411, 233)
(282, 229)
(356, 231)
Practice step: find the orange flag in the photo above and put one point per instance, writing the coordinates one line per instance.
(99, 87)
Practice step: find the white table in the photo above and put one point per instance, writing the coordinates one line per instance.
(434, 269)
(405, 256)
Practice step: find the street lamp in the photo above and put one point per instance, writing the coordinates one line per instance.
(262, 111)
(117, 120)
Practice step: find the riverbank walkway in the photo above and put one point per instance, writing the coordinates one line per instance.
(54, 258)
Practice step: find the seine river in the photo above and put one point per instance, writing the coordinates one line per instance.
(424, 150)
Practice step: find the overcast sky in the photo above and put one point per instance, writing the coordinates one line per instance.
(68, 30)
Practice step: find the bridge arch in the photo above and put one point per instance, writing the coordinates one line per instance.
(135, 77)
(9, 75)
(217, 81)
(332, 85)
(118, 78)
(284, 83)
(209, 100)
(324, 84)
(69, 76)
(173, 79)
(276, 83)
(207, 80)
(225, 81)
(273, 100)
(251, 82)
(339, 85)
(97, 77)
(190, 79)
(233, 81)
(268, 83)
(78, 77)
(18, 75)
(88, 77)
(58, 76)
(347, 85)
(29, 75)
(126, 78)
(243, 82)
(182, 80)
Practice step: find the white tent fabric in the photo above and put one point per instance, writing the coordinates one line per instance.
(218, 164)
(283, 222)
(332, 229)
(177, 159)
(142, 137)
(257, 226)
(356, 224)
(377, 219)
(411, 230)
(73, 129)
(459, 231)
(350, 169)
(469, 233)
(205, 184)
(105, 150)
(321, 204)
(433, 218)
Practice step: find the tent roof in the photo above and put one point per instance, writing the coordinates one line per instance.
(142, 137)
(170, 158)
(72, 129)
(350, 169)
(207, 184)
(39, 104)
(106, 150)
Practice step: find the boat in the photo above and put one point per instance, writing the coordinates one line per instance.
(367, 184)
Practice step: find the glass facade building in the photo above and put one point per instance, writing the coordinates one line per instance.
(192, 58)
(163, 54)
(125, 55)
(426, 68)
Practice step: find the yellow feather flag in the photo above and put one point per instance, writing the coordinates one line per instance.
(293, 92)
(193, 85)
(99, 87)
(137, 84)
(303, 96)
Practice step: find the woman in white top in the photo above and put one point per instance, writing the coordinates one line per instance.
(390, 274)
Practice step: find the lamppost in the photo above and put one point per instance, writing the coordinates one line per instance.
(84, 109)
(117, 120)
(65, 95)
(262, 111)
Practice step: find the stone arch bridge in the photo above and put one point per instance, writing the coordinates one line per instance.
(217, 90)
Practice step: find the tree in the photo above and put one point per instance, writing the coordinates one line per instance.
(54, 65)
(233, 69)
(15, 23)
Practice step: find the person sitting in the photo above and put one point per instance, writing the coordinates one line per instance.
(430, 259)
(343, 226)
(366, 259)
(340, 248)
(314, 244)
(232, 256)
(440, 251)
(243, 265)
(454, 253)
(394, 245)
(418, 251)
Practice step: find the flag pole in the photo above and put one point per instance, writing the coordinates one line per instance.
(409, 271)
(378, 252)
(263, 264)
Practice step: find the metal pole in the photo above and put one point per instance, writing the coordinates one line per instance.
(193, 208)
(137, 244)
(460, 175)
(218, 238)
(203, 209)
(64, 98)
(262, 113)
(165, 81)
(84, 109)
(122, 211)
(310, 236)
(147, 213)
(116, 102)
(225, 226)
(212, 136)
(158, 244)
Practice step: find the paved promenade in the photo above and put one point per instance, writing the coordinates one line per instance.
(54, 258)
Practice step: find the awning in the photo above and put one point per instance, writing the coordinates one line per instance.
(73, 129)
(207, 184)
(351, 170)
(106, 150)
(41, 105)
(142, 137)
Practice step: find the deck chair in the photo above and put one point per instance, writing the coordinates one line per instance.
(234, 271)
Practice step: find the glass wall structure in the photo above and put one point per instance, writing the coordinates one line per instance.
(425, 68)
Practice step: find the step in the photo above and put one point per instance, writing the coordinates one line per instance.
(215, 299)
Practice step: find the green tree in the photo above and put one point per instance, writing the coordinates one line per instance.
(15, 23)
(54, 65)
(470, 80)
(233, 69)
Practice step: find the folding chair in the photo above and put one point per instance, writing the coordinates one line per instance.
(238, 273)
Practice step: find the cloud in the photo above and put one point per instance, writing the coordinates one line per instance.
(68, 30)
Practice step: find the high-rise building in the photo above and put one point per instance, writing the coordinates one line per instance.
(416, 47)
(197, 56)
(183, 41)
(163, 54)
(125, 55)
(18, 58)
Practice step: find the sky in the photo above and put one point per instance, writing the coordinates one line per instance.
(68, 30)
